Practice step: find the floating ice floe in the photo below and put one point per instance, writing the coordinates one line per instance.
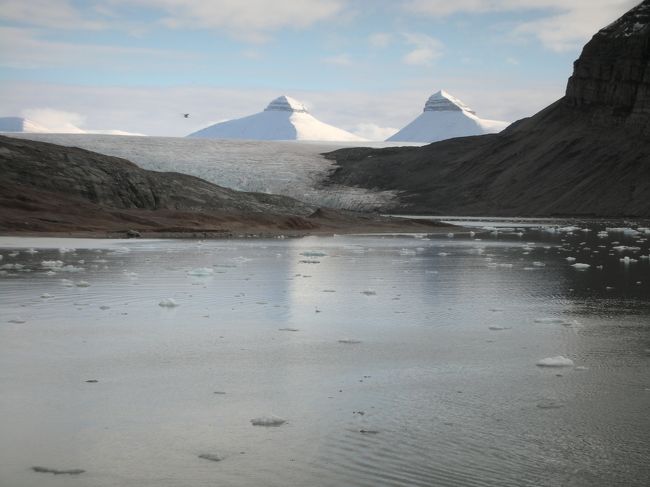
(580, 267)
(571, 259)
(168, 303)
(46, 295)
(268, 421)
(443, 254)
(628, 260)
(211, 456)
(497, 328)
(550, 320)
(64, 250)
(67, 282)
(369, 292)
(349, 341)
(52, 264)
(310, 261)
(558, 361)
(71, 268)
(201, 272)
(313, 253)
(82, 284)
(17, 321)
(623, 230)
(288, 329)
(623, 248)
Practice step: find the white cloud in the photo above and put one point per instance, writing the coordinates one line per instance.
(426, 49)
(30, 50)
(55, 14)
(56, 120)
(380, 39)
(372, 131)
(340, 60)
(250, 20)
(564, 25)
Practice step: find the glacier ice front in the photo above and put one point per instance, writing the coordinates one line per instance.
(444, 117)
(283, 119)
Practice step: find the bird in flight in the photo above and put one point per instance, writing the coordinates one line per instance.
(186, 115)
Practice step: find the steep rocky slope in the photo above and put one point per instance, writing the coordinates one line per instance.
(586, 154)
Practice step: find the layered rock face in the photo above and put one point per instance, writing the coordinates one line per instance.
(586, 154)
(612, 75)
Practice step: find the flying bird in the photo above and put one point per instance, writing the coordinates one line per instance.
(186, 115)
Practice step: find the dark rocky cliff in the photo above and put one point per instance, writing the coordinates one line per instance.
(586, 154)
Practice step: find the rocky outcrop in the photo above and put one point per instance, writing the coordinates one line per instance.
(586, 154)
(612, 75)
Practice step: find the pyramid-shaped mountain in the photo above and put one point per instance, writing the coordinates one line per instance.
(283, 119)
(445, 117)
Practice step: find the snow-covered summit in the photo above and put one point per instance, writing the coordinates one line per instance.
(21, 125)
(283, 119)
(444, 117)
(286, 104)
(442, 101)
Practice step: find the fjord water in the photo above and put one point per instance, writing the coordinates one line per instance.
(395, 360)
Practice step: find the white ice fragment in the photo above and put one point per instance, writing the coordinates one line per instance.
(67, 282)
(568, 229)
(539, 264)
(64, 250)
(549, 320)
(443, 254)
(46, 295)
(52, 264)
(571, 259)
(313, 253)
(82, 284)
(450, 235)
(168, 303)
(580, 267)
(71, 268)
(558, 361)
(201, 272)
(268, 421)
(497, 328)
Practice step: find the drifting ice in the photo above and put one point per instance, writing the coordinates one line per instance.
(558, 361)
(168, 303)
(268, 421)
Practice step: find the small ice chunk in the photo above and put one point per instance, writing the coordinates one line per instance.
(558, 361)
(571, 259)
(52, 264)
(349, 341)
(549, 320)
(211, 456)
(268, 421)
(288, 329)
(46, 295)
(313, 254)
(497, 328)
(580, 267)
(168, 303)
(17, 321)
(67, 282)
(369, 292)
(82, 284)
(539, 264)
(201, 272)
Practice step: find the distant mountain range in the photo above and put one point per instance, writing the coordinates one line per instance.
(445, 117)
(25, 126)
(283, 119)
(586, 154)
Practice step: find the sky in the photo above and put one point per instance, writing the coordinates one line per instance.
(366, 66)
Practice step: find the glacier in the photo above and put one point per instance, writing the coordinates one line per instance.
(283, 119)
(446, 117)
(289, 168)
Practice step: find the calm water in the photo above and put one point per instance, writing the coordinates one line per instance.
(435, 382)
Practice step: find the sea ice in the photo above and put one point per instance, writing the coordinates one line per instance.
(558, 361)
(201, 272)
(82, 284)
(571, 259)
(549, 320)
(580, 267)
(168, 303)
(268, 421)
(349, 341)
(52, 264)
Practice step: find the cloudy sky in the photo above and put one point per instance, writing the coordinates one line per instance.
(364, 65)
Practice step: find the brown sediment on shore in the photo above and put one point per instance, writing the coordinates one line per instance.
(50, 190)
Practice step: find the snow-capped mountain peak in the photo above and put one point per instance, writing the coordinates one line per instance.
(445, 117)
(283, 119)
(442, 101)
(286, 104)
(21, 125)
